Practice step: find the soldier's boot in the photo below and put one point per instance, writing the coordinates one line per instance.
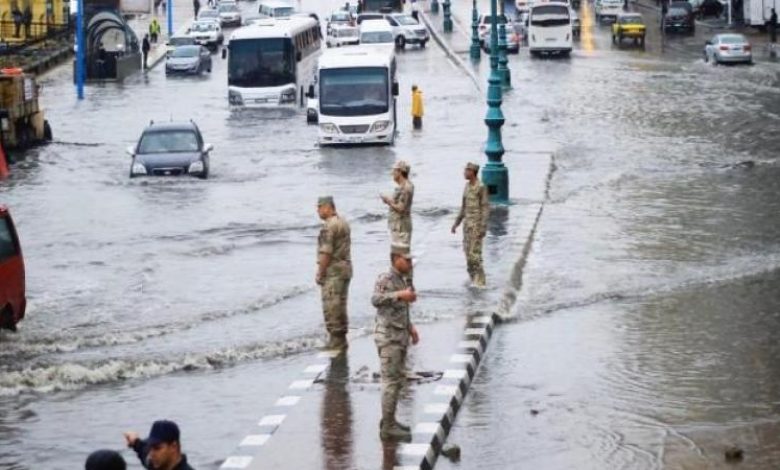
(479, 279)
(339, 341)
(403, 426)
(393, 432)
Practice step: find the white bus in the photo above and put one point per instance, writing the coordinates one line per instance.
(549, 29)
(357, 96)
(273, 62)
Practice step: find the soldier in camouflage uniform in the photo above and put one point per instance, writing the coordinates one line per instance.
(393, 333)
(334, 271)
(474, 212)
(400, 205)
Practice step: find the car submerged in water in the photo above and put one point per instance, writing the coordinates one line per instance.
(13, 300)
(170, 149)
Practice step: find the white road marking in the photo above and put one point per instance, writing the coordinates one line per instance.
(236, 462)
(301, 384)
(272, 420)
(290, 400)
(255, 440)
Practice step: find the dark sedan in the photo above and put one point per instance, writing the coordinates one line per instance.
(679, 19)
(170, 149)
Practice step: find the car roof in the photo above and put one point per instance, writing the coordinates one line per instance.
(375, 25)
(171, 126)
(730, 35)
(277, 4)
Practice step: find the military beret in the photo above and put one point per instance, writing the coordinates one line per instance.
(472, 166)
(325, 200)
(401, 165)
(401, 249)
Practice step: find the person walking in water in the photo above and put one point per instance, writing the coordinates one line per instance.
(474, 213)
(399, 217)
(773, 27)
(417, 107)
(145, 48)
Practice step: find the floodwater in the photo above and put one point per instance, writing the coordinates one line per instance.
(643, 337)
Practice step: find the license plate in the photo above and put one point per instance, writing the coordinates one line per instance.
(167, 173)
(550, 39)
(261, 100)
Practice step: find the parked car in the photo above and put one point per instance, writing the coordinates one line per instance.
(728, 48)
(276, 9)
(208, 14)
(342, 35)
(608, 10)
(513, 39)
(188, 60)
(177, 41)
(13, 299)
(407, 30)
(170, 149)
(339, 17)
(207, 33)
(629, 26)
(679, 19)
(229, 14)
(484, 25)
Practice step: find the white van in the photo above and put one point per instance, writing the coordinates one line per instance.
(608, 10)
(276, 9)
(376, 33)
(550, 29)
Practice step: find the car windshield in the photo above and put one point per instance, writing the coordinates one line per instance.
(228, 8)
(203, 27)
(265, 62)
(732, 40)
(359, 91)
(487, 19)
(283, 12)
(340, 17)
(168, 141)
(181, 41)
(631, 20)
(208, 14)
(7, 244)
(376, 37)
(405, 20)
(186, 51)
(676, 12)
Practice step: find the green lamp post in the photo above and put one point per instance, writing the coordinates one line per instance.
(495, 174)
(447, 16)
(503, 69)
(434, 6)
(474, 50)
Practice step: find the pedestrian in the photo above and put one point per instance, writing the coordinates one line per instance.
(16, 13)
(474, 212)
(392, 334)
(145, 48)
(105, 460)
(27, 20)
(162, 449)
(399, 218)
(196, 7)
(773, 26)
(417, 107)
(415, 11)
(334, 271)
(154, 30)
(101, 62)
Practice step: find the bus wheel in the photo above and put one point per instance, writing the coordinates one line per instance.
(47, 134)
(7, 319)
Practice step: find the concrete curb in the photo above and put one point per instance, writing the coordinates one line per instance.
(429, 436)
(449, 52)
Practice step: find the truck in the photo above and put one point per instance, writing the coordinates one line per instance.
(757, 12)
(22, 123)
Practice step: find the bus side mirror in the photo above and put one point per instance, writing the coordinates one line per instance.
(224, 53)
(310, 93)
(395, 89)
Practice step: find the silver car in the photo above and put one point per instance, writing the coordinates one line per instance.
(728, 48)
(188, 60)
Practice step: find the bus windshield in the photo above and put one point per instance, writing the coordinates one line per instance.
(550, 15)
(358, 91)
(263, 62)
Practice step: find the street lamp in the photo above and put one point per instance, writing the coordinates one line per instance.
(80, 51)
(503, 69)
(495, 174)
(474, 51)
(447, 16)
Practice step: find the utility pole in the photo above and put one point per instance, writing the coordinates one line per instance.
(80, 51)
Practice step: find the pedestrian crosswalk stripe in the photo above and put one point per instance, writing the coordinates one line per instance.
(236, 462)
(255, 440)
(301, 384)
(315, 369)
(290, 400)
(272, 420)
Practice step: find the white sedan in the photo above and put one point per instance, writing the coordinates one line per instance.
(728, 48)
(206, 33)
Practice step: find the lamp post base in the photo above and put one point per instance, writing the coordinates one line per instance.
(495, 176)
(434, 6)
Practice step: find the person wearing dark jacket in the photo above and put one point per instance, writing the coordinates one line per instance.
(146, 46)
(773, 26)
(162, 449)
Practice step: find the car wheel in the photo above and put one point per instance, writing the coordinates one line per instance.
(614, 40)
(7, 319)
(422, 44)
(642, 42)
(706, 58)
(400, 42)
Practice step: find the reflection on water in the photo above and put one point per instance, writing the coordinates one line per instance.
(336, 417)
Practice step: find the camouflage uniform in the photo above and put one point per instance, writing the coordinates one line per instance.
(400, 223)
(392, 337)
(474, 213)
(334, 240)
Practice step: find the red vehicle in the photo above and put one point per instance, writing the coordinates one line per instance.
(12, 294)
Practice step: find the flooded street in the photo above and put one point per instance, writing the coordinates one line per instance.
(645, 334)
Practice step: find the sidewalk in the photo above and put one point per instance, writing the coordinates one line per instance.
(182, 17)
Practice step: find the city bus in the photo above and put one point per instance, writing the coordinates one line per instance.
(272, 62)
(357, 96)
(385, 6)
(549, 28)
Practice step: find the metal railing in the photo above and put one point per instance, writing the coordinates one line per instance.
(17, 37)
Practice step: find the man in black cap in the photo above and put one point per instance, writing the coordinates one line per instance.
(105, 460)
(162, 449)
